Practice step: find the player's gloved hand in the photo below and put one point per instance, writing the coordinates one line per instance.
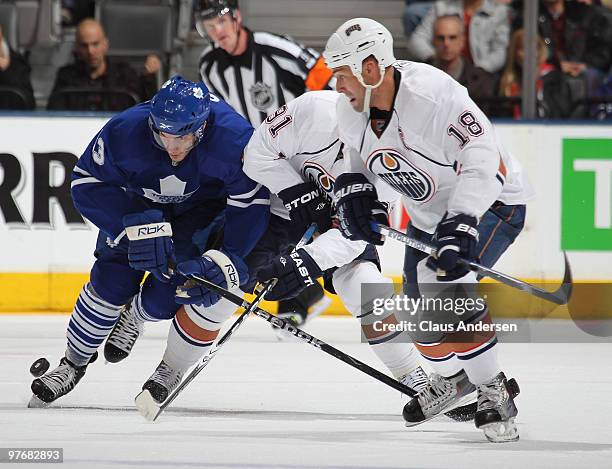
(455, 238)
(150, 242)
(294, 272)
(306, 204)
(221, 268)
(357, 205)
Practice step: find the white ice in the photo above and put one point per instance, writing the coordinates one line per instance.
(266, 404)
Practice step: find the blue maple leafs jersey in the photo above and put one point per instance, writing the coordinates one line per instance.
(123, 171)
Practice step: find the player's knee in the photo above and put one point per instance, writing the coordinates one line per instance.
(115, 283)
(213, 317)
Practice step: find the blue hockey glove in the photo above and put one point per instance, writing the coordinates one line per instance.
(455, 238)
(150, 242)
(306, 205)
(221, 268)
(294, 272)
(357, 205)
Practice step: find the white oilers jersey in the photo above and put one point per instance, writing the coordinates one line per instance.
(299, 143)
(439, 152)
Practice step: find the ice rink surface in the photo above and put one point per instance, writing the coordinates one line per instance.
(268, 404)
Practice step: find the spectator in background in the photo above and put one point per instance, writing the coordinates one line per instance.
(579, 37)
(257, 73)
(511, 80)
(414, 12)
(448, 41)
(487, 32)
(102, 77)
(555, 94)
(14, 73)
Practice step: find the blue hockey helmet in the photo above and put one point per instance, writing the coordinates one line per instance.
(180, 107)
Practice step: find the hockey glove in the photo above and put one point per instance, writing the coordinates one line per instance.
(357, 205)
(150, 242)
(306, 204)
(294, 272)
(221, 268)
(455, 238)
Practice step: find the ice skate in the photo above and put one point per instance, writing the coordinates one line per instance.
(417, 379)
(440, 395)
(122, 338)
(162, 382)
(57, 383)
(496, 409)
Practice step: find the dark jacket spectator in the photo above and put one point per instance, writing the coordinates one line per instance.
(14, 73)
(576, 34)
(448, 41)
(104, 84)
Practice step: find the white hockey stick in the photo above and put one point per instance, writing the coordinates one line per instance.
(149, 408)
(560, 296)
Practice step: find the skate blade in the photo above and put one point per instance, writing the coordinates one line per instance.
(37, 403)
(147, 406)
(501, 432)
(465, 413)
(464, 400)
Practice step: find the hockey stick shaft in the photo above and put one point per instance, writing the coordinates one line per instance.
(560, 296)
(309, 339)
(249, 308)
(208, 357)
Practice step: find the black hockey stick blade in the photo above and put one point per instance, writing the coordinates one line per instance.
(560, 296)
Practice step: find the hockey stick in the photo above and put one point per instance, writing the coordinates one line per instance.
(304, 336)
(560, 296)
(149, 408)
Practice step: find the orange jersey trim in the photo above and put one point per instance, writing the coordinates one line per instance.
(319, 76)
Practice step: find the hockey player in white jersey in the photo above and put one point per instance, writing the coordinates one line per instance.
(296, 154)
(412, 129)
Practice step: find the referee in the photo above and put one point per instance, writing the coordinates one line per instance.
(256, 73)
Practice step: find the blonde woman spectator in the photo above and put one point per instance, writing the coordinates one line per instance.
(487, 31)
(554, 94)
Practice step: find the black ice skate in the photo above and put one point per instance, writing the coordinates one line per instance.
(163, 381)
(57, 383)
(440, 395)
(496, 409)
(122, 338)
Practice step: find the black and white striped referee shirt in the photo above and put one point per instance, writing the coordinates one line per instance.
(271, 72)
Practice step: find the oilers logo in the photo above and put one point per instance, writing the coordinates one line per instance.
(393, 168)
(315, 173)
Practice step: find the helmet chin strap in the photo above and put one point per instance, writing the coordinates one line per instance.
(368, 89)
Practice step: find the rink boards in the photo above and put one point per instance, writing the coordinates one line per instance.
(47, 246)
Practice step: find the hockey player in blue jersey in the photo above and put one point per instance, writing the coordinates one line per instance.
(159, 180)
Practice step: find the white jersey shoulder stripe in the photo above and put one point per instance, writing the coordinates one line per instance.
(235, 203)
(246, 195)
(88, 180)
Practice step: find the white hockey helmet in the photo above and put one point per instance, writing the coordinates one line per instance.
(355, 41)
